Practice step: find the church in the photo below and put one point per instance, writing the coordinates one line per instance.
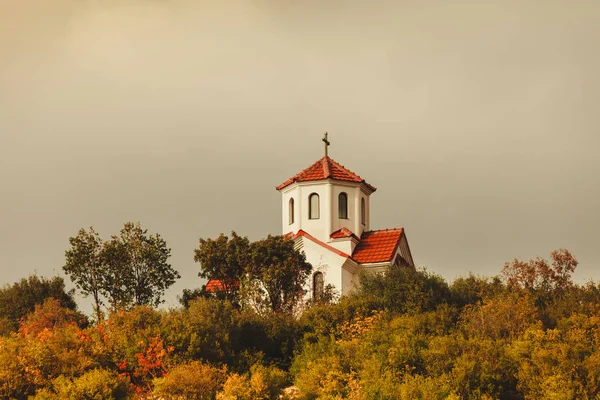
(327, 211)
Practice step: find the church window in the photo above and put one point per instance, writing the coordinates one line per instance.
(363, 211)
(291, 211)
(343, 206)
(318, 285)
(313, 206)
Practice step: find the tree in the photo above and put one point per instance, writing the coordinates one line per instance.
(474, 289)
(281, 270)
(137, 271)
(20, 299)
(404, 289)
(224, 259)
(538, 274)
(85, 267)
(192, 294)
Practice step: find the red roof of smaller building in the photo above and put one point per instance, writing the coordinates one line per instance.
(377, 246)
(216, 285)
(325, 168)
(343, 233)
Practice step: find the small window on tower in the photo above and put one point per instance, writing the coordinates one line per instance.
(363, 211)
(318, 285)
(313, 206)
(343, 206)
(291, 211)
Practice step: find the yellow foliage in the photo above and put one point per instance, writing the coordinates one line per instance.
(193, 381)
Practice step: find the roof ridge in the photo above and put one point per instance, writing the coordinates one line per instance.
(345, 232)
(326, 169)
(384, 230)
(347, 169)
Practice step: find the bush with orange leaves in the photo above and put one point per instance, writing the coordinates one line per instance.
(49, 344)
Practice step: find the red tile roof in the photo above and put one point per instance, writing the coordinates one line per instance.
(377, 246)
(216, 285)
(374, 246)
(325, 168)
(343, 233)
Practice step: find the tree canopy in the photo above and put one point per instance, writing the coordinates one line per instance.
(137, 269)
(281, 270)
(225, 259)
(19, 299)
(85, 266)
(268, 273)
(130, 269)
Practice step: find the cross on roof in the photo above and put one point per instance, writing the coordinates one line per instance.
(326, 143)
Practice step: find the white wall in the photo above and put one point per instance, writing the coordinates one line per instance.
(325, 261)
(329, 221)
(349, 281)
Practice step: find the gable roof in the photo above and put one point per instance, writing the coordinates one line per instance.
(325, 168)
(373, 247)
(377, 246)
(317, 241)
(343, 233)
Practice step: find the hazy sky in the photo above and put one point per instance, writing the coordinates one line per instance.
(478, 122)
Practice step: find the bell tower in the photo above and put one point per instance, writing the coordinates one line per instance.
(327, 201)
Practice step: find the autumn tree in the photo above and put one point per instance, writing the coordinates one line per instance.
(281, 270)
(541, 275)
(19, 299)
(137, 270)
(225, 259)
(85, 267)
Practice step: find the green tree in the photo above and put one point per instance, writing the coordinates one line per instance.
(137, 270)
(192, 294)
(85, 267)
(404, 289)
(203, 331)
(224, 259)
(282, 271)
(20, 299)
(474, 289)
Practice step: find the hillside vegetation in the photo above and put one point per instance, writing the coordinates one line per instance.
(530, 333)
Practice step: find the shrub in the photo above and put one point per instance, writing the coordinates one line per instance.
(263, 383)
(193, 381)
(97, 384)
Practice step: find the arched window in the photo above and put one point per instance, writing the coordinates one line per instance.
(363, 211)
(313, 206)
(343, 206)
(318, 285)
(291, 211)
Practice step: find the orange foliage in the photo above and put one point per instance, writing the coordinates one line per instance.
(151, 359)
(48, 316)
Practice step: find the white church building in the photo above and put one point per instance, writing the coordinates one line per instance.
(327, 211)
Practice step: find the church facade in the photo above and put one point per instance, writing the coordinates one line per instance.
(327, 211)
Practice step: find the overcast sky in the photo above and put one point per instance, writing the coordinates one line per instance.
(478, 122)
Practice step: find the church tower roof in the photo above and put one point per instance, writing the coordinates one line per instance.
(325, 168)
